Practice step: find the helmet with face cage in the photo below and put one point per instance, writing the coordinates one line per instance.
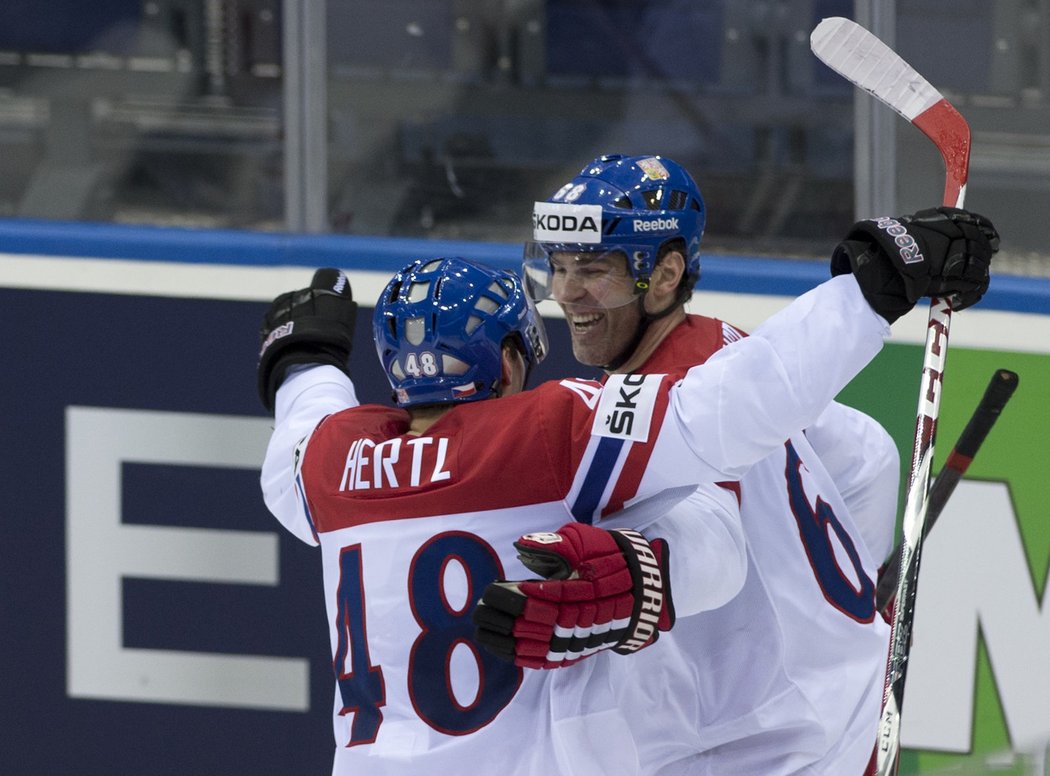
(632, 204)
(440, 325)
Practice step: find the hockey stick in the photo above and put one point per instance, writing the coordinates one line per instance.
(1000, 388)
(860, 57)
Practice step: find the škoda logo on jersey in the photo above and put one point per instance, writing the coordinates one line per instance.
(626, 405)
(562, 222)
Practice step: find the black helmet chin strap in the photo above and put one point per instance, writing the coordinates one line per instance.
(647, 319)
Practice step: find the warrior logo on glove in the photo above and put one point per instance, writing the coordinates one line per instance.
(644, 630)
(601, 590)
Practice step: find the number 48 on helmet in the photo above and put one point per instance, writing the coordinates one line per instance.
(440, 325)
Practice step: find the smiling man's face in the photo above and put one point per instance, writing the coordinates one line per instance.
(597, 295)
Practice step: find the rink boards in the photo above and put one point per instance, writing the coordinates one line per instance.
(158, 620)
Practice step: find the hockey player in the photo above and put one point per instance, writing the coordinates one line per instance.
(416, 508)
(787, 677)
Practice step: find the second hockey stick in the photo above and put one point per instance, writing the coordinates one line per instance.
(1000, 388)
(859, 56)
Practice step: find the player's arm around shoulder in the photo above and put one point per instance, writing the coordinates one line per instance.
(707, 540)
(706, 545)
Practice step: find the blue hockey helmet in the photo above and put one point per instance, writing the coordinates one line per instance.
(634, 205)
(440, 325)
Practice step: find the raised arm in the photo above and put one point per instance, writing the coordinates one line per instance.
(303, 375)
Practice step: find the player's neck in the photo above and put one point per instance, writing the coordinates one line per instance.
(654, 335)
(422, 418)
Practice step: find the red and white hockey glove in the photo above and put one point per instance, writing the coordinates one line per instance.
(603, 590)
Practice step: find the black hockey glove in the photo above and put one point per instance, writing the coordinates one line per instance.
(943, 252)
(313, 325)
(603, 590)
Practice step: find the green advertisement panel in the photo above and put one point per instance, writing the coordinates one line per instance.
(977, 698)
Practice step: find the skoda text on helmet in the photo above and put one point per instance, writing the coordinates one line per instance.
(440, 325)
(632, 205)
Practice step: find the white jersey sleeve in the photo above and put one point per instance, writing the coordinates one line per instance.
(708, 549)
(744, 401)
(703, 532)
(864, 463)
(306, 396)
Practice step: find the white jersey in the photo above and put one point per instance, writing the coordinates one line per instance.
(787, 677)
(413, 528)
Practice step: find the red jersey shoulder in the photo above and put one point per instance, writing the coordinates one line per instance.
(536, 422)
(362, 466)
(368, 420)
(555, 401)
(691, 342)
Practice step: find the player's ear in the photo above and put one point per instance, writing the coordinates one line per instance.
(667, 276)
(512, 369)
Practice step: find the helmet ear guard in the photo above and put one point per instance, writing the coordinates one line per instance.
(440, 325)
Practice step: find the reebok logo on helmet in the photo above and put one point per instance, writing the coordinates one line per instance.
(655, 224)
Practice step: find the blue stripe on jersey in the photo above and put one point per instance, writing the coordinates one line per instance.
(599, 472)
(306, 507)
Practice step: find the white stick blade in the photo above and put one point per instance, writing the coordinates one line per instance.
(857, 55)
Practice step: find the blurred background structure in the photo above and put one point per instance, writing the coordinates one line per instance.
(168, 166)
(447, 118)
